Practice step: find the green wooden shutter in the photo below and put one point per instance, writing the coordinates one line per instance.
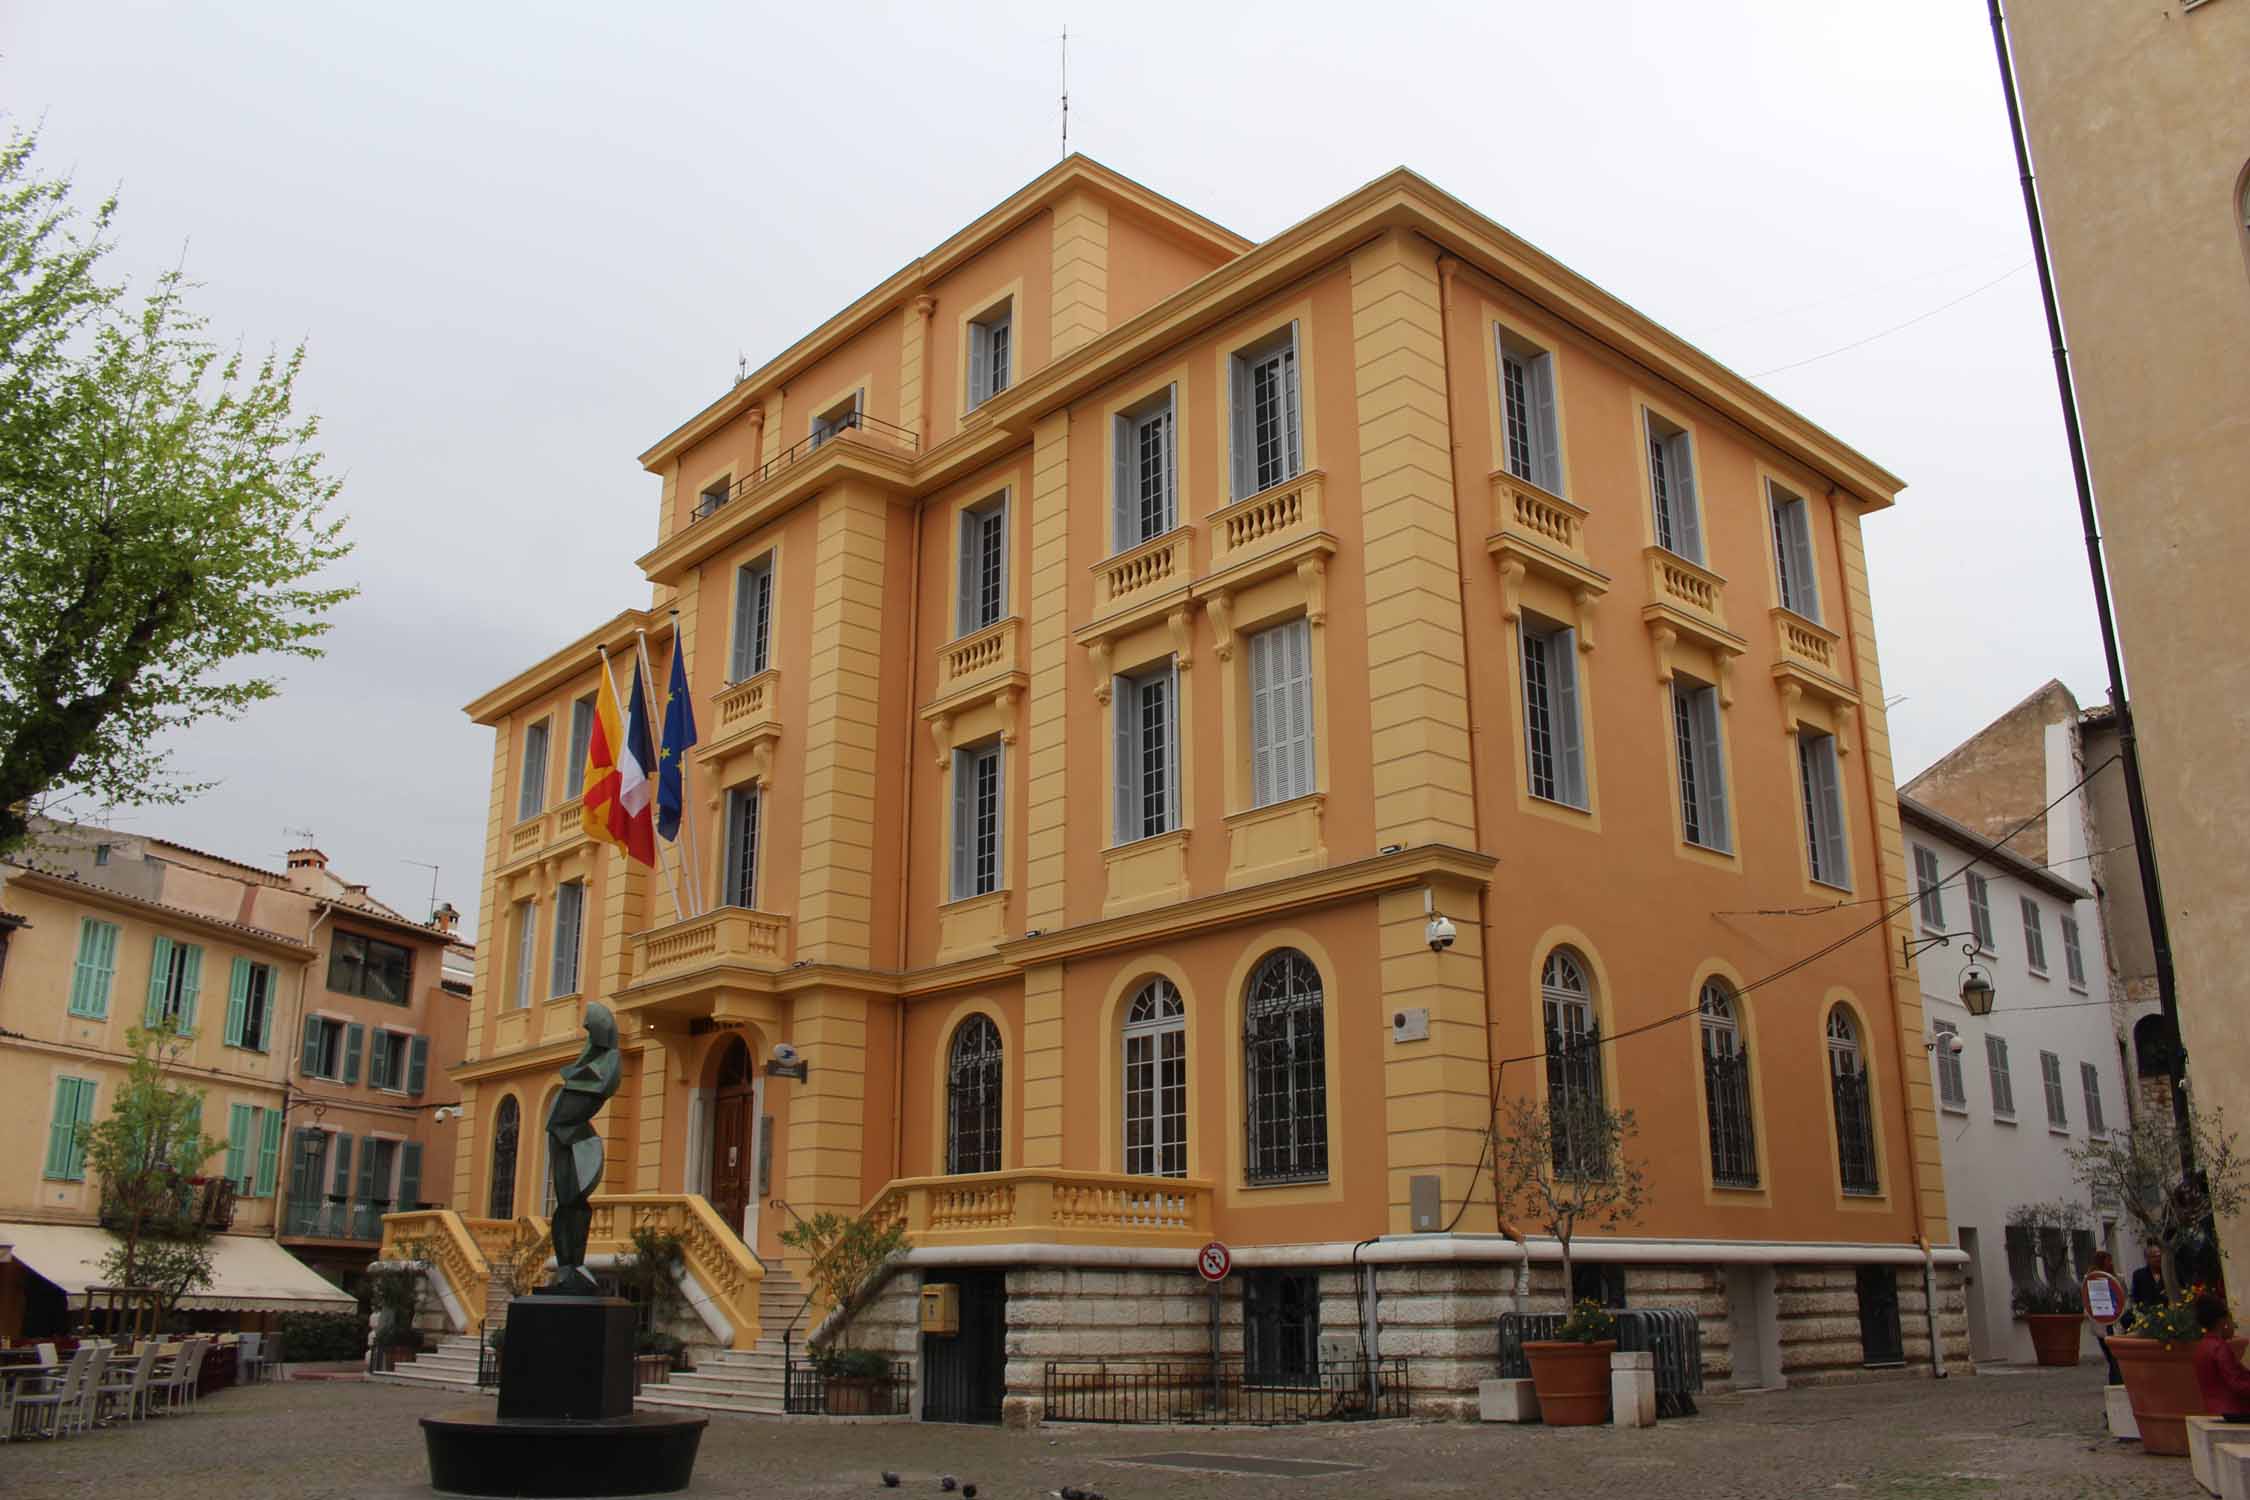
(65, 1158)
(340, 1184)
(239, 1126)
(417, 1065)
(191, 1124)
(97, 962)
(83, 1122)
(238, 1001)
(191, 984)
(409, 1177)
(269, 1153)
(370, 1157)
(160, 971)
(355, 1039)
(304, 1172)
(311, 1060)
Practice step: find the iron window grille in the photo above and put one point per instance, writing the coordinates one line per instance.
(1284, 1053)
(1574, 1060)
(1726, 1091)
(972, 1098)
(506, 1126)
(1855, 1119)
(1156, 1082)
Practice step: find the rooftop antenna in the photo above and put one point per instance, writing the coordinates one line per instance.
(301, 833)
(741, 373)
(1066, 90)
(433, 869)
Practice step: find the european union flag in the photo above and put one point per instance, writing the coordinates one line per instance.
(679, 738)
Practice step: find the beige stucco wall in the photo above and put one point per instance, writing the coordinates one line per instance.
(2139, 125)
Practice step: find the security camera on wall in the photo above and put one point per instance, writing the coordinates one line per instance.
(1953, 1043)
(1440, 933)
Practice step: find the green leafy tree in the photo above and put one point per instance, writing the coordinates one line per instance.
(1561, 1163)
(162, 513)
(2137, 1169)
(144, 1152)
(844, 1251)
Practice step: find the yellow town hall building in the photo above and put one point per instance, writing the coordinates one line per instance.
(1113, 643)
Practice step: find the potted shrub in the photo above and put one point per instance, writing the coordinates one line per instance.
(2169, 1183)
(2052, 1313)
(1571, 1370)
(850, 1378)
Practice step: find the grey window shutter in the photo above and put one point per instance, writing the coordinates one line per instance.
(1001, 525)
(409, 1176)
(965, 618)
(1125, 489)
(417, 1065)
(1241, 426)
(1832, 803)
(1172, 746)
(1804, 575)
(159, 975)
(1548, 431)
(340, 1178)
(355, 1040)
(1562, 676)
(745, 585)
(1687, 514)
(980, 362)
(1290, 404)
(1297, 702)
(1171, 447)
(964, 822)
(1711, 770)
(1262, 731)
(1125, 719)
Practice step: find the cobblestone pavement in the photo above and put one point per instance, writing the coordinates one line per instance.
(2030, 1434)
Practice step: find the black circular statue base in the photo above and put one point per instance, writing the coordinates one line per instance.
(640, 1453)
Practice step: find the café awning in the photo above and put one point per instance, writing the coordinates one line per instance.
(249, 1273)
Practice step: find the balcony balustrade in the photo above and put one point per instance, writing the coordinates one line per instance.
(1542, 535)
(729, 935)
(1267, 522)
(1142, 574)
(1051, 1206)
(977, 659)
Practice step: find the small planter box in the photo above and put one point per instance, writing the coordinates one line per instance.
(854, 1395)
(651, 1369)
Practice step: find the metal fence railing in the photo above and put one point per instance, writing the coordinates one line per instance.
(1192, 1392)
(1672, 1334)
(807, 1392)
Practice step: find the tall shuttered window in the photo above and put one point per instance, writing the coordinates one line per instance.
(250, 1001)
(2051, 1081)
(1700, 755)
(531, 789)
(990, 354)
(570, 922)
(984, 565)
(1281, 713)
(745, 807)
(1996, 1069)
(1554, 750)
(1671, 483)
(1527, 395)
(175, 985)
(66, 1144)
(979, 788)
(753, 619)
(1929, 884)
(1144, 708)
(525, 916)
(2090, 1085)
(1980, 910)
(91, 976)
(1953, 1089)
(2034, 936)
(581, 737)
(253, 1149)
(1268, 429)
(1156, 1082)
(1145, 483)
(1822, 789)
(1793, 553)
(2074, 952)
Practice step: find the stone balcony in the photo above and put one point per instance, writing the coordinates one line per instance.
(1543, 536)
(546, 833)
(745, 720)
(1808, 662)
(1687, 601)
(1049, 1206)
(730, 936)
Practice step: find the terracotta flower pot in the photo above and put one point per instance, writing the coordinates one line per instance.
(2054, 1337)
(1572, 1380)
(2160, 1382)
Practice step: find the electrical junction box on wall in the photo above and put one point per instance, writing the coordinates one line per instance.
(941, 1308)
(1411, 1025)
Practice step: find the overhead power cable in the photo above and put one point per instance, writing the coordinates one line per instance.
(1895, 327)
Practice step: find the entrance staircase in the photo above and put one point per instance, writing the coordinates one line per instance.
(742, 1380)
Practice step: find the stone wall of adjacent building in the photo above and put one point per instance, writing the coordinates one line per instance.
(1819, 1323)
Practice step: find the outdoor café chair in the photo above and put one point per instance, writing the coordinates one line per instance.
(250, 1360)
(127, 1384)
(43, 1408)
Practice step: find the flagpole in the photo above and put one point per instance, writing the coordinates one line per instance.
(648, 675)
(693, 862)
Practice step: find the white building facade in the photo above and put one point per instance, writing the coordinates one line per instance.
(2039, 1075)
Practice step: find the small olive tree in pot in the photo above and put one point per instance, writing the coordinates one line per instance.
(844, 1252)
(2048, 1300)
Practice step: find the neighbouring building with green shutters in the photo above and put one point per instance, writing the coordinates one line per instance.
(320, 1026)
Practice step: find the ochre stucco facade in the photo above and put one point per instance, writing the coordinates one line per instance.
(1401, 549)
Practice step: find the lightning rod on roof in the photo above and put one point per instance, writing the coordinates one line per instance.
(1066, 91)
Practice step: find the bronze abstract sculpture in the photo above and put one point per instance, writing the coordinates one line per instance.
(574, 1148)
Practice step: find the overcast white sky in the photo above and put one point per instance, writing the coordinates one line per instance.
(524, 242)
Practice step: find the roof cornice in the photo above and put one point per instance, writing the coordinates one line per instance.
(1929, 819)
(1071, 174)
(550, 672)
(68, 889)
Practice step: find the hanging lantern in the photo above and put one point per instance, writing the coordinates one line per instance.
(1977, 992)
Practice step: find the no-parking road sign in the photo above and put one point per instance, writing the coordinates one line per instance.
(1213, 1261)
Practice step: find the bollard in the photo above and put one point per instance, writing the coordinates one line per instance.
(1632, 1388)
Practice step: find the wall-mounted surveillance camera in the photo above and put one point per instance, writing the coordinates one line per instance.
(1953, 1044)
(1440, 933)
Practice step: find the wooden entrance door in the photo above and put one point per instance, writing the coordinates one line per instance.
(734, 1117)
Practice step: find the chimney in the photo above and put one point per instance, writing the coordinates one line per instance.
(307, 859)
(308, 871)
(446, 917)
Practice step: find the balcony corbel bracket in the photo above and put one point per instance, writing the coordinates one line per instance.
(941, 739)
(1183, 639)
(1006, 702)
(1584, 599)
(1666, 638)
(1097, 654)
(1312, 572)
(1511, 588)
(1220, 608)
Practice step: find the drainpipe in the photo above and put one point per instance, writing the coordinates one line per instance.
(1368, 1296)
(906, 807)
(293, 1061)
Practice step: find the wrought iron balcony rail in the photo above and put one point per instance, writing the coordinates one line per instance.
(889, 433)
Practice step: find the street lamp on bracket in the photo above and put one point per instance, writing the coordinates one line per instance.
(1975, 980)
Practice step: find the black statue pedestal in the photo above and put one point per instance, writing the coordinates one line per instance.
(566, 1424)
